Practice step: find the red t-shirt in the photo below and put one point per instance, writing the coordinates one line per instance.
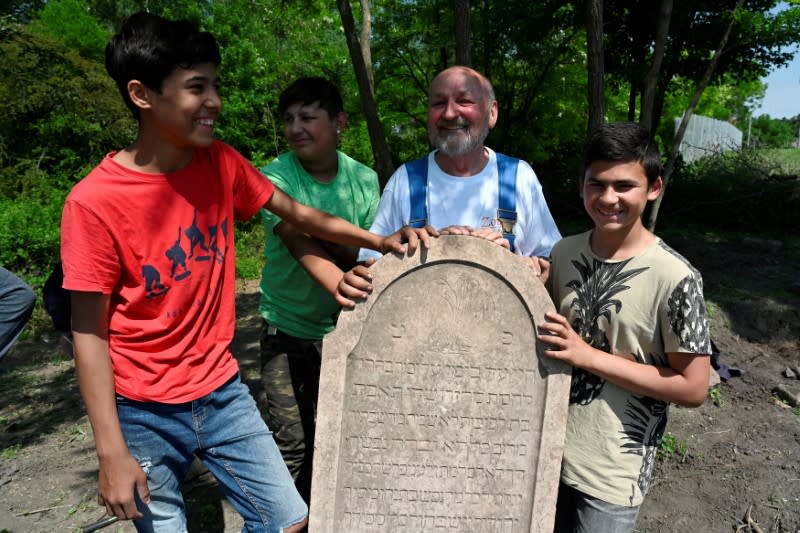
(162, 246)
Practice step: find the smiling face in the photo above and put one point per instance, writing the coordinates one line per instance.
(186, 108)
(311, 132)
(460, 111)
(615, 195)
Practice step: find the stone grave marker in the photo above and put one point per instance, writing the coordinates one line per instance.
(436, 410)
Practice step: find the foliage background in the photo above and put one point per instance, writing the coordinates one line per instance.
(60, 113)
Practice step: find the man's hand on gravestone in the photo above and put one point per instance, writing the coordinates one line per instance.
(492, 236)
(565, 344)
(355, 285)
(411, 236)
(456, 230)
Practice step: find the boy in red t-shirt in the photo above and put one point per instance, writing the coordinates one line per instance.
(148, 255)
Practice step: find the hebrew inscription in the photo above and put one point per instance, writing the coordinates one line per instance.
(434, 402)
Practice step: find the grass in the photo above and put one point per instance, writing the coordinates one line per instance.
(249, 249)
(787, 160)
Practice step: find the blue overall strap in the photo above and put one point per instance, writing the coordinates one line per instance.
(417, 171)
(507, 195)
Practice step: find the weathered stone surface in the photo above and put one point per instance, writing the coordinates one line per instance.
(435, 409)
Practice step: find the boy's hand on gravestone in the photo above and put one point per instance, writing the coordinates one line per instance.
(355, 285)
(544, 268)
(411, 236)
(540, 266)
(565, 344)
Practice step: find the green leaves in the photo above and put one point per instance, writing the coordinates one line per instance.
(71, 22)
(58, 111)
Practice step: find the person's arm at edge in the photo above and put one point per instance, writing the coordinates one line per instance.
(119, 473)
(684, 382)
(335, 229)
(313, 258)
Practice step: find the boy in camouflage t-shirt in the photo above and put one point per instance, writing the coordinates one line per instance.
(632, 324)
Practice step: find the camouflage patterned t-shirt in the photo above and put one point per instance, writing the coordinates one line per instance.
(642, 308)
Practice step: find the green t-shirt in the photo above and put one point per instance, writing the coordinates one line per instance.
(290, 300)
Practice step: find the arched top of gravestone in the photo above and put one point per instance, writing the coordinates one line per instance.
(492, 260)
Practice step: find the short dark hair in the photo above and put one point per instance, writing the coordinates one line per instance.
(624, 142)
(149, 48)
(309, 90)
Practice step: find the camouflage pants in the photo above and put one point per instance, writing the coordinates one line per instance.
(288, 400)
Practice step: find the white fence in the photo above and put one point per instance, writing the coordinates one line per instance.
(706, 136)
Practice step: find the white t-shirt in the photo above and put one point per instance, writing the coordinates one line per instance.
(470, 201)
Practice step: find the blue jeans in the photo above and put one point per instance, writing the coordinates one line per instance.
(577, 512)
(16, 306)
(225, 430)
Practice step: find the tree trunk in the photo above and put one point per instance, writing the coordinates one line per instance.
(444, 59)
(646, 114)
(366, 38)
(463, 35)
(632, 102)
(488, 38)
(673, 156)
(594, 43)
(383, 161)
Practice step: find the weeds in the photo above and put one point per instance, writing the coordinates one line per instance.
(715, 395)
(671, 446)
(12, 452)
(712, 308)
(77, 433)
(83, 506)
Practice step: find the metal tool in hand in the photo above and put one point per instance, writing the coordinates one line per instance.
(100, 524)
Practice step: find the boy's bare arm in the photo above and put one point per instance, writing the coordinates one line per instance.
(119, 473)
(312, 256)
(335, 229)
(683, 382)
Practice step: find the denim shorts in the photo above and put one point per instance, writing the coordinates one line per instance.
(577, 512)
(225, 430)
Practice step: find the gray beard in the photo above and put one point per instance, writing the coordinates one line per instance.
(458, 145)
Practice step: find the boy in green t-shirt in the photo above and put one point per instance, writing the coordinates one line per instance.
(632, 324)
(301, 273)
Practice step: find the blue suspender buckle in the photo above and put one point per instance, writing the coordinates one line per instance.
(507, 220)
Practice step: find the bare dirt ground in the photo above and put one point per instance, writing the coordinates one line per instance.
(735, 464)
